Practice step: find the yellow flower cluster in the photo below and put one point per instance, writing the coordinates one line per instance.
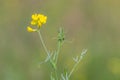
(37, 20)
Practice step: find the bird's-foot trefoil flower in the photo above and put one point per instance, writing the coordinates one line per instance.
(37, 21)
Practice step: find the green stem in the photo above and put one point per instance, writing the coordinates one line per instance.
(56, 58)
(56, 74)
(57, 53)
(74, 67)
(40, 36)
(46, 50)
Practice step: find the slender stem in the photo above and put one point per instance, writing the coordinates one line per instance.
(56, 74)
(57, 53)
(74, 67)
(56, 58)
(46, 50)
(78, 61)
(40, 36)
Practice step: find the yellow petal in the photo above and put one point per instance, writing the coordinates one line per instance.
(40, 15)
(29, 29)
(43, 19)
(33, 22)
(39, 23)
(35, 17)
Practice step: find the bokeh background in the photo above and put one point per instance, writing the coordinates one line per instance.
(88, 24)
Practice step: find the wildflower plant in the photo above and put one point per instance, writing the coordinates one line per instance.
(35, 26)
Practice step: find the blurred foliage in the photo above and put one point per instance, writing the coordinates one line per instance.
(91, 24)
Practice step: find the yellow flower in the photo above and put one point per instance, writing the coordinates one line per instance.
(43, 19)
(35, 16)
(33, 22)
(37, 20)
(39, 24)
(40, 15)
(29, 29)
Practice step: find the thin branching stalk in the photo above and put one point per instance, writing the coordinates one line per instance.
(45, 48)
(73, 69)
(58, 51)
(56, 74)
(77, 62)
(56, 58)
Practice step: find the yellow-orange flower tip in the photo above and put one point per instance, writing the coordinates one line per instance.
(29, 29)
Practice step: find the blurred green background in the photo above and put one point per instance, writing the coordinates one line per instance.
(90, 24)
